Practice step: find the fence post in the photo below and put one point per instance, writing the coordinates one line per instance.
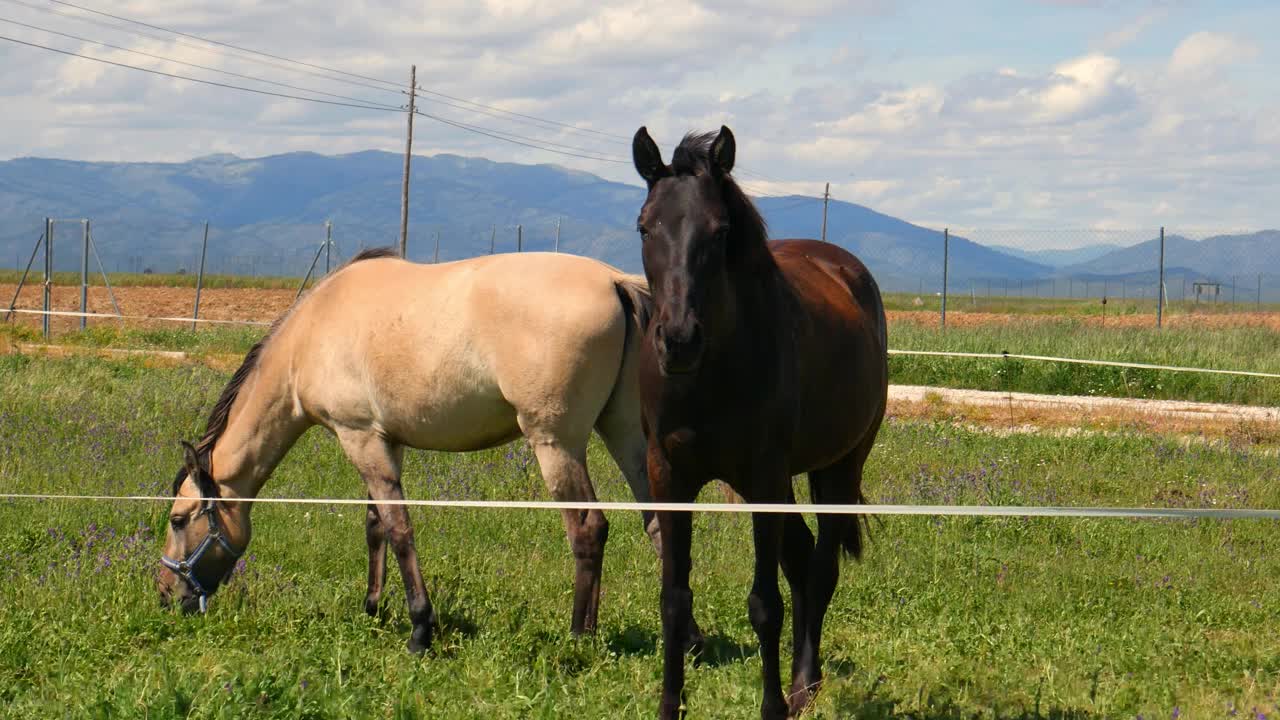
(519, 238)
(328, 244)
(1160, 287)
(1259, 307)
(557, 234)
(84, 277)
(435, 258)
(204, 246)
(946, 258)
(48, 274)
(493, 238)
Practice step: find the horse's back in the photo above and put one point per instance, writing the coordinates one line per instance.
(841, 348)
(449, 356)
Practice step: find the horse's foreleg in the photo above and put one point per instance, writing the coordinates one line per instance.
(621, 431)
(379, 464)
(377, 541)
(565, 473)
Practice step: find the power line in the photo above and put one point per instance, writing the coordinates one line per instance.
(517, 139)
(394, 87)
(370, 103)
(567, 126)
(201, 48)
(199, 80)
(225, 44)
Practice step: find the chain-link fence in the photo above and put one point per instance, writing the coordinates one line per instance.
(973, 269)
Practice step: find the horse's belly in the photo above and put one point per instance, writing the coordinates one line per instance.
(458, 423)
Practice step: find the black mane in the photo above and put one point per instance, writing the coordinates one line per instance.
(693, 157)
(221, 413)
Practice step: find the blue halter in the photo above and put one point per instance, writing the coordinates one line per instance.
(185, 568)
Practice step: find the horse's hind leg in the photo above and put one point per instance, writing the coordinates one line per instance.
(565, 472)
(839, 484)
(378, 462)
(377, 541)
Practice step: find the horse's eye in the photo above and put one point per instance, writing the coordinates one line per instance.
(644, 234)
(178, 521)
(722, 232)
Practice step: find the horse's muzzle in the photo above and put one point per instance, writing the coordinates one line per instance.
(679, 347)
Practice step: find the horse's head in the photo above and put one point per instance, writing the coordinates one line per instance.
(696, 227)
(205, 537)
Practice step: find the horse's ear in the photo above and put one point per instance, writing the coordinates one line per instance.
(647, 157)
(723, 150)
(190, 458)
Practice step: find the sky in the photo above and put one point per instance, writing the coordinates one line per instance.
(1037, 114)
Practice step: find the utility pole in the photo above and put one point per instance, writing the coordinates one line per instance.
(826, 198)
(408, 153)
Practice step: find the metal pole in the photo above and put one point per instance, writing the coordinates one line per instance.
(36, 250)
(310, 270)
(826, 198)
(519, 238)
(557, 234)
(93, 245)
(493, 238)
(436, 258)
(946, 258)
(84, 277)
(204, 246)
(408, 153)
(1160, 288)
(328, 244)
(48, 273)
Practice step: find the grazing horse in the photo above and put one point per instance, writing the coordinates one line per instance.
(761, 361)
(453, 357)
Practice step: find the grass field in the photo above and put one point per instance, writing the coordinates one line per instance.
(946, 618)
(1236, 347)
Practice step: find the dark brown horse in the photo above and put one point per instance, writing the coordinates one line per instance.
(762, 361)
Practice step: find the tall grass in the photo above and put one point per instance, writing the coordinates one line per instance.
(946, 618)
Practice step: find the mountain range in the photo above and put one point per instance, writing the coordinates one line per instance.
(267, 216)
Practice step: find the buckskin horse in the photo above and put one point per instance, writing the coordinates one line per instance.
(762, 360)
(460, 356)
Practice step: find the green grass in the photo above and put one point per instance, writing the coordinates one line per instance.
(1230, 348)
(1233, 348)
(946, 618)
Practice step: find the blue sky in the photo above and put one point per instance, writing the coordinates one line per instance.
(975, 115)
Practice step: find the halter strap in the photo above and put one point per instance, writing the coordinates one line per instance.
(185, 568)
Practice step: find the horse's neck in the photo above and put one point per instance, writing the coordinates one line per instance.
(262, 427)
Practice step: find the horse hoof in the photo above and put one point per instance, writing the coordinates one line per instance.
(695, 642)
(371, 607)
(801, 696)
(419, 644)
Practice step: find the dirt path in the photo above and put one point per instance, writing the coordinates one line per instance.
(1029, 412)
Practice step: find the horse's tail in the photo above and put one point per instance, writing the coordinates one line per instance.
(637, 306)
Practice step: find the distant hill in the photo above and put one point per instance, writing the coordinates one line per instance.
(1215, 258)
(1059, 257)
(267, 216)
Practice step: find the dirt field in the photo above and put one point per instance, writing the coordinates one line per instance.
(215, 304)
(266, 305)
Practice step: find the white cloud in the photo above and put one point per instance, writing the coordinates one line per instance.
(1096, 135)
